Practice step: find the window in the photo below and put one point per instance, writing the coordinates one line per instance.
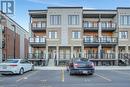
(39, 24)
(86, 24)
(75, 35)
(52, 35)
(125, 20)
(104, 24)
(73, 19)
(123, 35)
(55, 19)
(43, 24)
(34, 24)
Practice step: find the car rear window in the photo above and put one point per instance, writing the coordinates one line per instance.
(11, 61)
(81, 60)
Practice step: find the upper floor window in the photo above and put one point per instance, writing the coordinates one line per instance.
(34, 24)
(123, 35)
(75, 35)
(125, 20)
(73, 19)
(52, 35)
(55, 19)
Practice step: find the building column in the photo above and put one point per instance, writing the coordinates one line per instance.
(72, 49)
(116, 55)
(82, 51)
(0, 43)
(47, 52)
(57, 55)
(99, 35)
(127, 49)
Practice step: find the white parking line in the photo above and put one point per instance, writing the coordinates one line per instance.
(87, 80)
(26, 77)
(103, 77)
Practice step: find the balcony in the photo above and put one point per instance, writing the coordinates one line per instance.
(38, 28)
(94, 26)
(91, 41)
(103, 56)
(38, 59)
(108, 26)
(108, 41)
(36, 56)
(37, 41)
(90, 26)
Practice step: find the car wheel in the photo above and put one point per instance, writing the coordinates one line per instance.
(91, 73)
(32, 68)
(21, 71)
(70, 72)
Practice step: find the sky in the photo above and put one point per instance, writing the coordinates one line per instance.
(22, 6)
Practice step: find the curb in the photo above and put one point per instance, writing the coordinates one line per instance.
(96, 68)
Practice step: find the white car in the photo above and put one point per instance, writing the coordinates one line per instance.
(15, 66)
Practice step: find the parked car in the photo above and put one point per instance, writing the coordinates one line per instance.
(15, 66)
(81, 66)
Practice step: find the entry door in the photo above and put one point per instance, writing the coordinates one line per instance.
(64, 53)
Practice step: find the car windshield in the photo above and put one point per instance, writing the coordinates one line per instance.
(81, 60)
(11, 61)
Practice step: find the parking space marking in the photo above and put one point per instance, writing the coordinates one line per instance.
(87, 80)
(103, 77)
(43, 80)
(26, 77)
(62, 75)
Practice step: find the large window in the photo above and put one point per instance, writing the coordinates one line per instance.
(125, 20)
(75, 35)
(55, 19)
(52, 35)
(123, 35)
(73, 19)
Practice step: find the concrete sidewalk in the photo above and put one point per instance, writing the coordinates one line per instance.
(96, 67)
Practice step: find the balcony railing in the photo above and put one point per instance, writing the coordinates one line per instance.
(108, 40)
(36, 56)
(101, 55)
(38, 28)
(105, 26)
(91, 40)
(37, 41)
(88, 40)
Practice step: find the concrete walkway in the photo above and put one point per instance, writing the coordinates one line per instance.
(97, 68)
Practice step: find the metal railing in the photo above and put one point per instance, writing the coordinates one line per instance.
(108, 39)
(91, 40)
(101, 55)
(36, 56)
(37, 40)
(100, 40)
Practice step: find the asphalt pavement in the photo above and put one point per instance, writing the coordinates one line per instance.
(61, 78)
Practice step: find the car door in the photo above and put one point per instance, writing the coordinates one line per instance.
(23, 64)
(28, 65)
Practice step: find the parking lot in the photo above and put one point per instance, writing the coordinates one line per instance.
(59, 78)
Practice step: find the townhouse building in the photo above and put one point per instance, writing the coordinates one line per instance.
(59, 34)
(13, 39)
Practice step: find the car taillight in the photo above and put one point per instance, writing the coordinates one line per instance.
(13, 65)
(76, 65)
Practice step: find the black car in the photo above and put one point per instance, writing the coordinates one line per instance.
(81, 66)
